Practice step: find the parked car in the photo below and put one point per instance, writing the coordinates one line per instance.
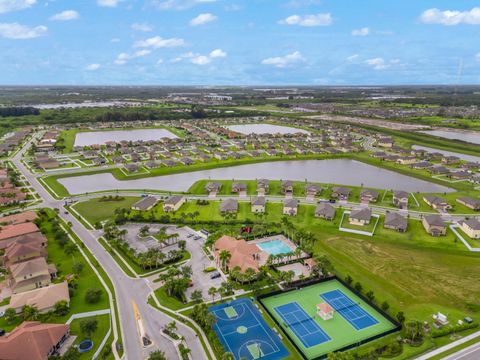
(197, 238)
(189, 235)
(214, 275)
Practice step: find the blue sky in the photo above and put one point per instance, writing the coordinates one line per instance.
(239, 42)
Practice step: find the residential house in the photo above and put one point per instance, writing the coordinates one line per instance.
(31, 274)
(395, 221)
(437, 203)
(173, 203)
(33, 340)
(434, 225)
(325, 211)
(360, 217)
(450, 159)
(385, 142)
(369, 195)
(290, 207)
(17, 252)
(312, 190)
(341, 193)
(145, 204)
(258, 205)
(239, 187)
(400, 199)
(406, 160)
(213, 187)
(471, 227)
(15, 230)
(469, 202)
(229, 206)
(262, 186)
(287, 187)
(44, 299)
(27, 216)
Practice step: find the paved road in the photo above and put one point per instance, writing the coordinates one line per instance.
(127, 290)
(469, 353)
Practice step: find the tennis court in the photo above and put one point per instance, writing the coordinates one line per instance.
(353, 320)
(304, 327)
(243, 332)
(351, 311)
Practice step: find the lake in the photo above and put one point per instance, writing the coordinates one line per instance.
(101, 137)
(248, 129)
(451, 153)
(468, 136)
(333, 171)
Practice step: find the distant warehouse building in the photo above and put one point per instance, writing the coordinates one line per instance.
(147, 203)
(173, 203)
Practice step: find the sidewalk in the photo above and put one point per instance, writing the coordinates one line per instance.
(449, 346)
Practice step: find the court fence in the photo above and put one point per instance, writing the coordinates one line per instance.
(397, 325)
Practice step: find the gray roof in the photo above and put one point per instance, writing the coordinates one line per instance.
(400, 194)
(396, 220)
(258, 201)
(213, 186)
(229, 205)
(239, 186)
(434, 220)
(292, 203)
(341, 190)
(472, 223)
(361, 214)
(145, 203)
(325, 209)
(368, 192)
(173, 200)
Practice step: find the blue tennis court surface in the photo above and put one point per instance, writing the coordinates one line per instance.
(243, 332)
(303, 326)
(350, 311)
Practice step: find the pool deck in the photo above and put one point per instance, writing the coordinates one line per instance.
(264, 255)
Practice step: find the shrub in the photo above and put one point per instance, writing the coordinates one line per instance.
(93, 296)
(446, 330)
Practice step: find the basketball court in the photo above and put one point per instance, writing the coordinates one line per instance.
(243, 332)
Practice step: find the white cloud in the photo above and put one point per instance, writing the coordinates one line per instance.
(361, 32)
(159, 61)
(158, 42)
(178, 4)
(142, 27)
(93, 67)
(203, 19)
(377, 63)
(108, 3)
(284, 61)
(353, 58)
(21, 32)
(451, 17)
(65, 16)
(201, 60)
(477, 56)
(115, 40)
(324, 19)
(218, 53)
(123, 58)
(13, 5)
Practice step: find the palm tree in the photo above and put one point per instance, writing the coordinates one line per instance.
(224, 258)
(212, 292)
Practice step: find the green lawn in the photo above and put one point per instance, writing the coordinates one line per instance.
(103, 323)
(341, 332)
(96, 210)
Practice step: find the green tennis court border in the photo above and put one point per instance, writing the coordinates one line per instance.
(395, 326)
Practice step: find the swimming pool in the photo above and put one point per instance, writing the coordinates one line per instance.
(275, 247)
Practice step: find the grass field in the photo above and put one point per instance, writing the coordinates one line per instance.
(103, 323)
(341, 332)
(97, 210)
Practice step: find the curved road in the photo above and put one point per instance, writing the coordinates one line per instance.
(127, 290)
